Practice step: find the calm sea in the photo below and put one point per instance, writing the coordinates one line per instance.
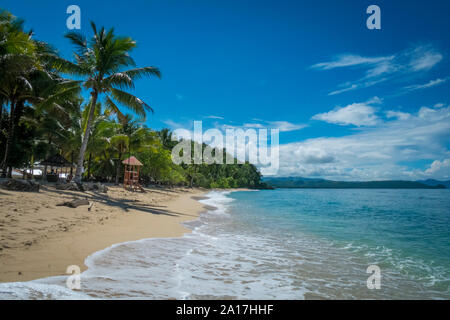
(280, 244)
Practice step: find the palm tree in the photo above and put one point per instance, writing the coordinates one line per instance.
(166, 137)
(102, 129)
(16, 46)
(16, 57)
(101, 62)
(27, 69)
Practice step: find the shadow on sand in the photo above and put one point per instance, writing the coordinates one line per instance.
(124, 204)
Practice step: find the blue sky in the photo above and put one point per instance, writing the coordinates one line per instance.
(351, 103)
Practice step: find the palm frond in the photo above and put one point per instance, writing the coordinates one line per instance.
(130, 101)
(138, 73)
(114, 109)
(77, 39)
(120, 80)
(61, 93)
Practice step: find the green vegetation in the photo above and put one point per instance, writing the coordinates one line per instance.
(297, 182)
(43, 112)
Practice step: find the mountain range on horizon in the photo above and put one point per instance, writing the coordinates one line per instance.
(300, 182)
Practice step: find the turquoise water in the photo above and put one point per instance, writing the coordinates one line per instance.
(279, 244)
(405, 232)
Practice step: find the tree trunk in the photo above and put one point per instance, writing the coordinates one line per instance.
(89, 167)
(85, 139)
(71, 166)
(9, 139)
(32, 166)
(119, 165)
(44, 174)
(17, 115)
(1, 113)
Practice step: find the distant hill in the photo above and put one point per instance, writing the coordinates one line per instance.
(299, 182)
(432, 182)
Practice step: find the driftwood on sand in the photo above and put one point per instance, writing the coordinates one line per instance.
(74, 203)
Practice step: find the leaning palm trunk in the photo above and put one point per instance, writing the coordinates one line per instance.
(71, 164)
(89, 167)
(119, 165)
(9, 141)
(85, 139)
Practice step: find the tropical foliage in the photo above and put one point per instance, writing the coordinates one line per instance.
(44, 111)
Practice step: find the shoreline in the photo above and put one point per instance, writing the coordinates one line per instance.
(157, 216)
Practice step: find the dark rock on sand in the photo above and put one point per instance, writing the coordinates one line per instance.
(88, 186)
(20, 185)
(67, 186)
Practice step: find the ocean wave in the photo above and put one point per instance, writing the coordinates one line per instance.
(238, 251)
(33, 290)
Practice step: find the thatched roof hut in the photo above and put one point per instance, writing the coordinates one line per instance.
(56, 160)
(132, 161)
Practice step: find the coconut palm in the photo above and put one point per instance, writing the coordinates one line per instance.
(102, 129)
(101, 62)
(27, 69)
(16, 56)
(166, 137)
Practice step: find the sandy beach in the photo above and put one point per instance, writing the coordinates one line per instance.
(40, 239)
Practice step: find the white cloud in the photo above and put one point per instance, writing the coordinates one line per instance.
(253, 125)
(283, 126)
(375, 153)
(424, 58)
(311, 155)
(425, 112)
(414, 87)
(429, 84)
(358, 114)
(374, 100)
(348, 61)
(439, 169)
(389, 150)
(173, 124)
(380, 69)
(350, 88)
(213, 117)
(398, 115)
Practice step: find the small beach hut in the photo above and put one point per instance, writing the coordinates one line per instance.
(131, 174)
(57, 161)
